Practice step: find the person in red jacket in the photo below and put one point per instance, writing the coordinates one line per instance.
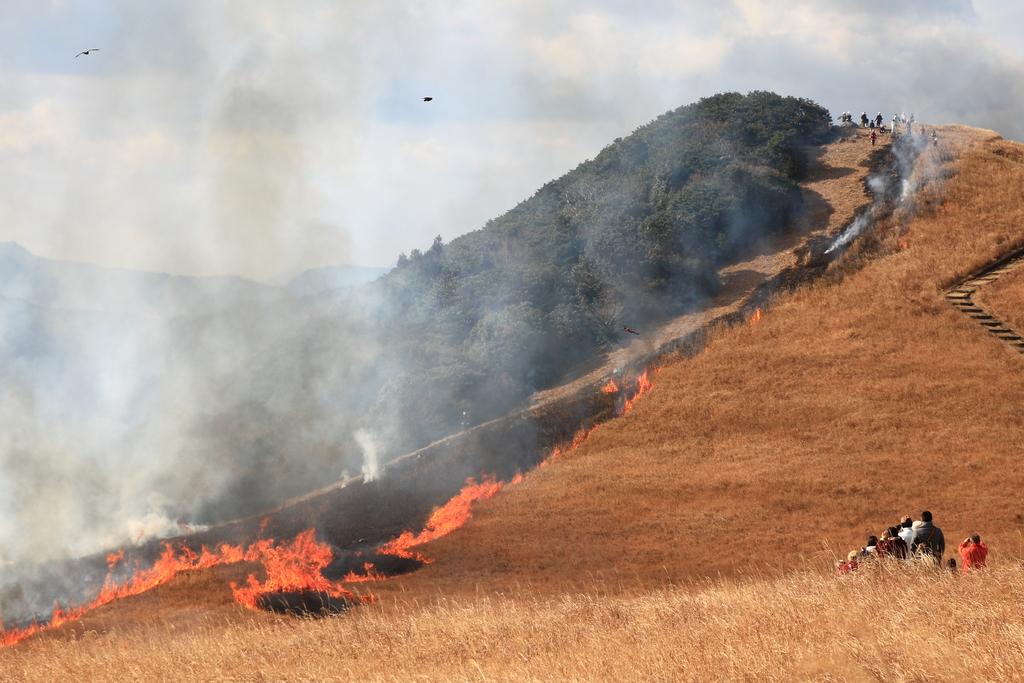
(892, 545)
(850, 565)
(973, 552)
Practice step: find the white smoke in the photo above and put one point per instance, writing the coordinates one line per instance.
(371, 456)
(916, 165)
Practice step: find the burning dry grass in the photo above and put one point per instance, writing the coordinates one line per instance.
(905, 624)
(849, 404)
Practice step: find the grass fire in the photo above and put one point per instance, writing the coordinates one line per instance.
(589, 368)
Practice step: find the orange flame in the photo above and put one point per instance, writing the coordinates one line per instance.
(643, 385)
(297, 566)
(303, 552)
(444, 519)
(113, 559)
(370, 573)
(756, 318)
(610, 388)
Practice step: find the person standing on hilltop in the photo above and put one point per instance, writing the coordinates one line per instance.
(928, 539)
(878, 120)
(874, 137)
(973, 552)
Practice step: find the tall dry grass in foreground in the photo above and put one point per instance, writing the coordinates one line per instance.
(895, 624)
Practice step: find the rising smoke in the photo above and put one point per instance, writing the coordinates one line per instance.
(896, 186)
(134, 406)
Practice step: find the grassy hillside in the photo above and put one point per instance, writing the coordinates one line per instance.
(850, 404)
(696, 534)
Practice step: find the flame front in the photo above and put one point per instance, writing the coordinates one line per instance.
(370, 573)
(297, 566)
(444, 519)
(756, 318)
(643, 385)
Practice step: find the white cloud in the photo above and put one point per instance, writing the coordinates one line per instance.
(209, 138)
(27, 129)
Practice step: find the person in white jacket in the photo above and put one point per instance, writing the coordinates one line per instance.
(907, 531)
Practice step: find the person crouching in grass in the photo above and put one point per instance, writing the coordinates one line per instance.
(973, 552)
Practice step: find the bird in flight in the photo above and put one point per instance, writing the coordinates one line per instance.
(630, 330)
(428, 99)
(86, 52)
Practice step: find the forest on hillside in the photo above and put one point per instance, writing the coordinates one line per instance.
(633, 236)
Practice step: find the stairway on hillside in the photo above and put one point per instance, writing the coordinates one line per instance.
(962, 297)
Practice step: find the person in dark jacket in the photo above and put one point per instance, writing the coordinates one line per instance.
(892, 545)
(868, 551)
(928, 539)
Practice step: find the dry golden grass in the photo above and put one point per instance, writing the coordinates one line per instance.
(853, 402)
(898, 624)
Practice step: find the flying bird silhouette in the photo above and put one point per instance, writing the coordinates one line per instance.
(630, 330)
(86, 52)
(428, 99)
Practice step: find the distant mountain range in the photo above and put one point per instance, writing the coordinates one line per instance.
(67, 285)
(316, 280)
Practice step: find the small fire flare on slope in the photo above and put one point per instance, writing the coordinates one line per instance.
(293, 568)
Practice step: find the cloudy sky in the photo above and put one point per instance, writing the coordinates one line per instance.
(260, 138)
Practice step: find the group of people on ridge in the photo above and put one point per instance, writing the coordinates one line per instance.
(876, 124)
(917, 540)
